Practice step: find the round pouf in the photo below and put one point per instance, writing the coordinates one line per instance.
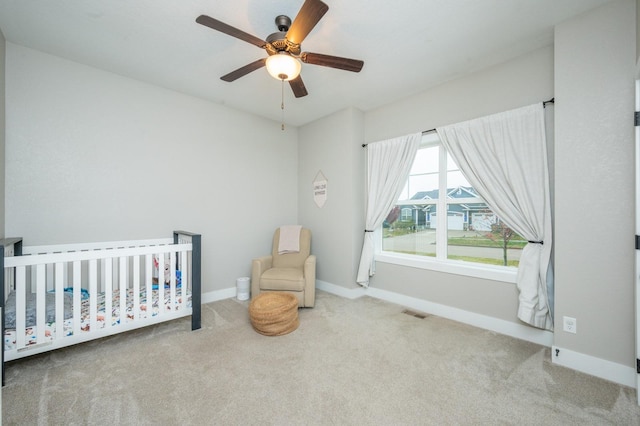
(274, 313)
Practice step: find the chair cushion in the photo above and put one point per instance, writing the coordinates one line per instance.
(282, 279)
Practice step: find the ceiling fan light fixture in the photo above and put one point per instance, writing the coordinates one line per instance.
(283, 66)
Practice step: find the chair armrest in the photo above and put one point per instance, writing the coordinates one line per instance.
(310, 269)
(310, 281)
(258, 266)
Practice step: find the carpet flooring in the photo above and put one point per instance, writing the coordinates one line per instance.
(350, 362)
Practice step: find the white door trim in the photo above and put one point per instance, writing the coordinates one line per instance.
(637, 269)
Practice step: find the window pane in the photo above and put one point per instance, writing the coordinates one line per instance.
(426, 161)
(455, 179)
(408, 228)
(476, 234)
(424, 173)
(408, 240)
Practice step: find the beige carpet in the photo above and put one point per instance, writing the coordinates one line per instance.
(351, 362)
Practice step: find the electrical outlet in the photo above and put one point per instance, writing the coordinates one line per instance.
(570, 325)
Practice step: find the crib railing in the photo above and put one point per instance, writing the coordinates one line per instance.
(123, 267)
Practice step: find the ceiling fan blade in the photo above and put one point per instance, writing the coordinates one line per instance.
(229, 30)
(298, 87)
(242, 71)
(310, 13)
(354, 65)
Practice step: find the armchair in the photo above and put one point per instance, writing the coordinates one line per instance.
(294, 272)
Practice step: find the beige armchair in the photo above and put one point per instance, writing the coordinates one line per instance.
(292, 272)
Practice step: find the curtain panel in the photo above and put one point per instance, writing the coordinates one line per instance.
(388, 165)
(504, 157)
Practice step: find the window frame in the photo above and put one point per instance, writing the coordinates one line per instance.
(440, 263)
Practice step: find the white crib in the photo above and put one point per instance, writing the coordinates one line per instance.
(61, 295)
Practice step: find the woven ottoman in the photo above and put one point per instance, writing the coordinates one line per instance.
(274, 313)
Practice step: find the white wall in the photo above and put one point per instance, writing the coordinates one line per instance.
(594, 71)
(333, 145)
(2, 131)
(522, 81)
(637, 38)
(93, 156)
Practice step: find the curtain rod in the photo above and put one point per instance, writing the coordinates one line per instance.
(424, 132)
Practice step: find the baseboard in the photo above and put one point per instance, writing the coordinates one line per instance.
(228, 293)
(593, 366)
(523, 332)
(518, 331)
(214, 296)
(347, 293)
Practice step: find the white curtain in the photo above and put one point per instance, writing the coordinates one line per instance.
(504, 157)
(388, 165)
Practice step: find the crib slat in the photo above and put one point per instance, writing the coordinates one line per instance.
(59, 292)
(148, 278)
(172, 292)
(32, 279)
(93, 295)
(186, 284)
(77, 294)
(21, 305)
(108, 290)
(50, 274)
(123, 290)
(161, 260)
(41, 293)
(136, 287)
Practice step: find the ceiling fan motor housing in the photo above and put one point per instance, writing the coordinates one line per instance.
(277, 42)
(283, 22)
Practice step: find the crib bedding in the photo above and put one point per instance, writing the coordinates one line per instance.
(30, 317)
(85, 320)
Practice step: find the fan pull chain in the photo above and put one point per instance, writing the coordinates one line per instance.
(282, 105)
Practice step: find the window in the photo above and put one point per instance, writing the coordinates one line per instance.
(439, 216)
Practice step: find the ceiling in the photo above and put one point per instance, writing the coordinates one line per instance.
(407, 46)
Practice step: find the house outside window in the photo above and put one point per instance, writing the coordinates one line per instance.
(439, 217)
(407, 214)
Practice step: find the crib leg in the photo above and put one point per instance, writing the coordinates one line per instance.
(196, 277)
(2, 305)
(196, 290)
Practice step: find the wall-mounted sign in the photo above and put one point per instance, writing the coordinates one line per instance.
(320, 189)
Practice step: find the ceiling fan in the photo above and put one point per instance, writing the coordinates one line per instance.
(284, 47)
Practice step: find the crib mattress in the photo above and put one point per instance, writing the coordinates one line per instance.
(68, 325)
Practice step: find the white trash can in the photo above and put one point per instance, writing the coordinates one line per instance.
(242, 288)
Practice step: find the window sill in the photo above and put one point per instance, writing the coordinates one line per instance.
(504, 274)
